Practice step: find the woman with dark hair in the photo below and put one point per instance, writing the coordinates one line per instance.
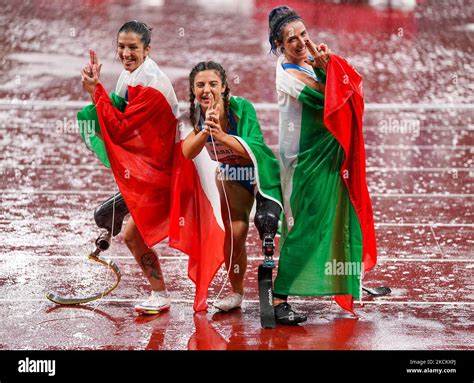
(135, 134)
(140, 80)
(228, 128)
(328, 235)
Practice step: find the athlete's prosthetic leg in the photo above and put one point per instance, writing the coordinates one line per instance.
(109, 215)
(266, 221)
(103, 216)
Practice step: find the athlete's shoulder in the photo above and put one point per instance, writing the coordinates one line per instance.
(241, 104)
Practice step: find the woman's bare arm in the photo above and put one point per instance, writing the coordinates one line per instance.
(313, 84)
(194, 143)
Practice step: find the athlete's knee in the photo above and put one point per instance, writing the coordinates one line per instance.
(113, 208)
(131, 236)
(128, 239)
(266, 216)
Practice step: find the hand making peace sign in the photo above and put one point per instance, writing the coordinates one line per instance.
(91, 73)
(212, 120)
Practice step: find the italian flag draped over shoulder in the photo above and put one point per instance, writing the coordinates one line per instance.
(249, 134)
(343, 112)
(328, 238)
(167, 195)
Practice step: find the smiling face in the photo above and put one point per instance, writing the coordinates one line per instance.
(294, 37)
(131, 50)
(208, 82)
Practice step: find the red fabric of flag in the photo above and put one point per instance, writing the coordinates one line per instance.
(162, 190)
(343, 111)
(140, 144)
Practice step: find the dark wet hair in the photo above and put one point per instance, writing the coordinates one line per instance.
(141, 29)
(277, 19)
(202, 66)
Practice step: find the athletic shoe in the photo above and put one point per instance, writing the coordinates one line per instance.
(285, 315)
(230, 302)
(158, 302)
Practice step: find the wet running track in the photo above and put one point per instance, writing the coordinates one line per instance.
(417, 66)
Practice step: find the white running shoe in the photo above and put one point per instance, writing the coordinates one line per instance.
(158, 302)
(230, 302)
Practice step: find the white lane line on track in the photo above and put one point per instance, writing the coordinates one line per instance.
(421, 170)
(421, 147)
(98, 167)
(386, 224)
(404, 147)
(185, 258)
(297, 301)
(110, 192)
(407, 147)
(367, 128)
(263, 106)
(423, 224)
(421, 195)
(374, 128)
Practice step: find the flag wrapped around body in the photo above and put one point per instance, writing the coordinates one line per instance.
(167, 195)
(328, 237)
(265, 169)
(249, 134)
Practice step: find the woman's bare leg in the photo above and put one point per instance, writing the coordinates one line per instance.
(240, 201)
(146, 257)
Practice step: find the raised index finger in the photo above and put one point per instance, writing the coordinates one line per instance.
(213, 102)
(311, 47)
(93, 57)
(211, 108)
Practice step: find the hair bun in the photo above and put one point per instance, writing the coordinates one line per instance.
(277, 19)
(276, 11)
(140, 28)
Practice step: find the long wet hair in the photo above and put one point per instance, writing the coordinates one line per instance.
(277, 19)
(139, 28)
(202, 66)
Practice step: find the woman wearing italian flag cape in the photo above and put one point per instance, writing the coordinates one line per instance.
(328, 237)
(137, 135)
(246, 169)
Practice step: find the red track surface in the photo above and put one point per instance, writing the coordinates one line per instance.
(421, 181)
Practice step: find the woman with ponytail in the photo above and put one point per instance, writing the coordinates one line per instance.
(135, 135)
(328, 237)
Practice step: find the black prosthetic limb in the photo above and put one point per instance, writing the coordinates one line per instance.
(266, 221)
(103, 216)
(109, 215)
(377, 291)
